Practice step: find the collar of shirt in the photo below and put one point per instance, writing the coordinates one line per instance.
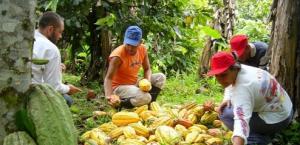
(38, 34)
(252, 49)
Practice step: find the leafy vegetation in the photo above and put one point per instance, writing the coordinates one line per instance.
(252, 19)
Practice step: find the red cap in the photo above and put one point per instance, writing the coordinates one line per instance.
(238, 43)
(220, 62)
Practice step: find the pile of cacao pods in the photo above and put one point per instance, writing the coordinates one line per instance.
(155, 124)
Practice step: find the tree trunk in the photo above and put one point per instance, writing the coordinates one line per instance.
(285, 47)
(100, 48)
(223, 22)
(106, 50)
(16, 33)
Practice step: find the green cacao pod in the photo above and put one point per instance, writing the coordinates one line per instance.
(209, 117)
(51, 116)
(18, 138)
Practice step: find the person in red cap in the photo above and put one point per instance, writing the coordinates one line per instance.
(122, 75)
(249, 53)
(257, 106)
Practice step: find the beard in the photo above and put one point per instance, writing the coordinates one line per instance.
(52, 38)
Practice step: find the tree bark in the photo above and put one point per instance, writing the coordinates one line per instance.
(285, 47)
(223, 22)
(16, 33)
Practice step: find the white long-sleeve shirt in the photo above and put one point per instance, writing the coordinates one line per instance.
(50, 73)
(255, 90)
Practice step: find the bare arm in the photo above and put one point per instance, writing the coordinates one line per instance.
(146, 67)
(114, 64)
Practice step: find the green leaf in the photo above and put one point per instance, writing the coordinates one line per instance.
(181, 49)
(82, 54)
(211, 32)
(52, 5)
(107, 21)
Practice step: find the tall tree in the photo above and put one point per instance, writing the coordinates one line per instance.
(16, 32)
(223, 22)
(100, 47)
(285, 47)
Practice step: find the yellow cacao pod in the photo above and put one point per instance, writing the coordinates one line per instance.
(167, 135)
(192, 118)
(161, 121)
(107, 127)
(90, 142)
(228, 135)
(217, 123)
(140, 129)
(202, 137)
(132, 142)
(116, 133)
(85, 136)
(209, 117)
(152, 138)
(181, 129)
(188, 106)
(121, 139)
(141, 109)
(154, 106)
(99, 136)
(196, 128)
(129, 132)
(198, 111)
(125, 118)
(214, 141)
(201, 126)
(147, 115)
(191, 137)
(145, 85)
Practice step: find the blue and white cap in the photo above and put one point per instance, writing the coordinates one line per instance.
(133, 35)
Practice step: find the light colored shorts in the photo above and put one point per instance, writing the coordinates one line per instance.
(135, 94)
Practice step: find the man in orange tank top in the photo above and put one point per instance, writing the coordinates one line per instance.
(122, 75)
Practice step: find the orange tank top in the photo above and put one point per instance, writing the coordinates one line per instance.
(127, 74)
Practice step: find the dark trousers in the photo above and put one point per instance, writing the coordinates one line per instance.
(68, 99)
(260, 131)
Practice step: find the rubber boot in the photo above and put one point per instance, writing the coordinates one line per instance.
(125, 103)
(154, 93)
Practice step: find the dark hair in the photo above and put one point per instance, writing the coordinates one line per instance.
(50, 19)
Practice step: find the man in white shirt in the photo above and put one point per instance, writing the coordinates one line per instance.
(260, 106)
(51, 27)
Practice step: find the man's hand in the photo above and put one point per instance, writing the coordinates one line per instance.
(73, 90)
(238, 140)
(223, 105)
(63, 67)
(114, 100)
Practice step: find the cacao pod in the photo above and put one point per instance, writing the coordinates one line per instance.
(145, 85)
(51, 116)
(209, 117)
(167, 135)
(217, 123)
(125, 118)
(18, 138)
(132, 142)
(214, 141)
(116, 133)
(140, 129)
(129, 132)
(191, 137)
